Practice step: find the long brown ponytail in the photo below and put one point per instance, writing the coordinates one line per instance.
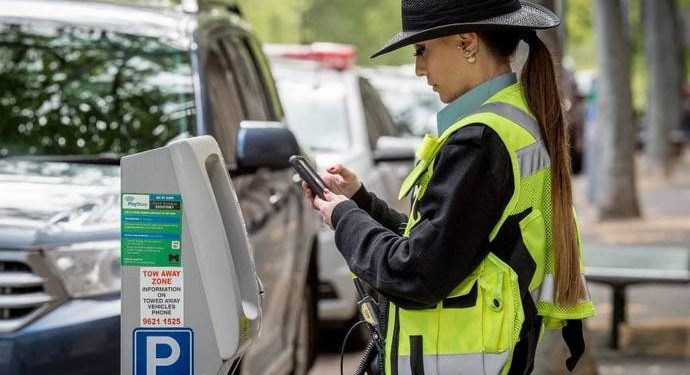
(538, 80)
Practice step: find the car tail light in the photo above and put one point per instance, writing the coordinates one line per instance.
(332, 55)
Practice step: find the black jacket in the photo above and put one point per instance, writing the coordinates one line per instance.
(470, 187)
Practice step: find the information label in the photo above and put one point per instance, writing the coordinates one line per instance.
(151, 230)
(162, 297)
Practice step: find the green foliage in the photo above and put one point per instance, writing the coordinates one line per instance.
(276, 21)
(363, 23)
(72, 91)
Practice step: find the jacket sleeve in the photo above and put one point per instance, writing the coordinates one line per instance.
(470, 187)
(379, 210)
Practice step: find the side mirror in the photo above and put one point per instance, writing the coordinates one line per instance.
(265, 144)
(392, 149)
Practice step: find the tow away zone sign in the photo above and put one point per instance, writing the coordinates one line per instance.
(162, 297)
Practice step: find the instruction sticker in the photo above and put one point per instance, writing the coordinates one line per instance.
(162, 297)
(151, 230)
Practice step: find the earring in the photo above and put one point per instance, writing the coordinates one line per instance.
(471, 58)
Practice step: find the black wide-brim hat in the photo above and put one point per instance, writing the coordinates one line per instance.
(429, 19)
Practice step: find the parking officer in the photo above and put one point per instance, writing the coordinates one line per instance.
(489, 254)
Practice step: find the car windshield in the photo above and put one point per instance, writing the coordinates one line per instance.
(317, 113)
(84, 91)
(413, 112)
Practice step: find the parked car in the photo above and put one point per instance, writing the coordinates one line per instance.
(84, 83)
(409, 99)
(334, 110)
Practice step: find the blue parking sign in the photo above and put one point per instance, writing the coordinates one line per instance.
(163, 351)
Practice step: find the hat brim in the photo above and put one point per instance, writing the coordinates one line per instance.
(529, 16)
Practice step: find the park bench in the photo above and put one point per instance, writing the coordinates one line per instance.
(621, 266)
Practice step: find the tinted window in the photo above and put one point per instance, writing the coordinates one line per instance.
(378, 119)
(267, 78)
(76, 90)
(317, 113)
(226, 108)
(252, 90)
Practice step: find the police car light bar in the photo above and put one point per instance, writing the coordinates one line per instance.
(333, 55)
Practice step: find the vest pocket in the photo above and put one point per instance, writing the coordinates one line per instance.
(502, 313)
(462, 301)
(533, 231)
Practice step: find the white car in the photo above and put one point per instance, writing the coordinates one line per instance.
(412, 103)
(334, 110)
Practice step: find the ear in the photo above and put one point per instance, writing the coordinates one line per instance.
(468, 42)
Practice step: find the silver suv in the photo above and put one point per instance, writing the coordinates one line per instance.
(84, 83)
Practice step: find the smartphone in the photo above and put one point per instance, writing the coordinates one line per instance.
(308, 174)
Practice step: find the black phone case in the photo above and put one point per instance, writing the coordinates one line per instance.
(308, 174)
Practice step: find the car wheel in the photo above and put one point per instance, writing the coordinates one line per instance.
(306, 339)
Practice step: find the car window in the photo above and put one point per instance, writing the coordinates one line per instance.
(379, 121)
(269, 85)
(316, 111)
(413, 111)
(81, 90)
(226, 107)
(251, 87)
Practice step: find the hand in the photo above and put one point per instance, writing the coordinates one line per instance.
(341, 180)
(325, 207)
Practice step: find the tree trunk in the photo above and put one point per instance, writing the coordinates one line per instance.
(616, 192)
(664, 99)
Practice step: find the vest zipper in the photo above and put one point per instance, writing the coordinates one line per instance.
(394, 343)
(383, 318)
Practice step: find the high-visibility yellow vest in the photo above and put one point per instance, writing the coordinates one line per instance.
(475, 329)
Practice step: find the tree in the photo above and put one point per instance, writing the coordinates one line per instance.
(366, 24)
(616, 191)
(664, 101)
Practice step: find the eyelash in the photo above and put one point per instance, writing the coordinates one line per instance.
(419, 52)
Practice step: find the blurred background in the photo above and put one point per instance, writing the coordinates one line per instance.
(624, 73)
(624, 78)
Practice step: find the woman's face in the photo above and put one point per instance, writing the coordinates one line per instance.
(443, 63)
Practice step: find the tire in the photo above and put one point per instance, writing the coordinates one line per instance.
(307, 329)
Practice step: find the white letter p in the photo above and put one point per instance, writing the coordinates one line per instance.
(152, 361)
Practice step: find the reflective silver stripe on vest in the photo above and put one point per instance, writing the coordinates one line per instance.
(457, 364)
(547, 290)
(514, 114)
(533, 159)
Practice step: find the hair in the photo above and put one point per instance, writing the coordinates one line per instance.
(538, 79)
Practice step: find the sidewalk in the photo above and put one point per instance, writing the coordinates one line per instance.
(656, 337)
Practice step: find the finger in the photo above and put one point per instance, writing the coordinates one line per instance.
(330, 180)
(341, 170)
(321, 203)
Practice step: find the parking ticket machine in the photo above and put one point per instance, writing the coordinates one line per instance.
(190, 294)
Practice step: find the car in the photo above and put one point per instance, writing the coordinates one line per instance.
(85, 83)
(409, 99)
(335, 111)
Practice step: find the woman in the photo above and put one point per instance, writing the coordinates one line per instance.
(490, 252)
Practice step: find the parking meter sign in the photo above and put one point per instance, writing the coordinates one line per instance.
(163, 351)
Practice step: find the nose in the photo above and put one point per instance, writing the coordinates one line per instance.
(419, 67)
